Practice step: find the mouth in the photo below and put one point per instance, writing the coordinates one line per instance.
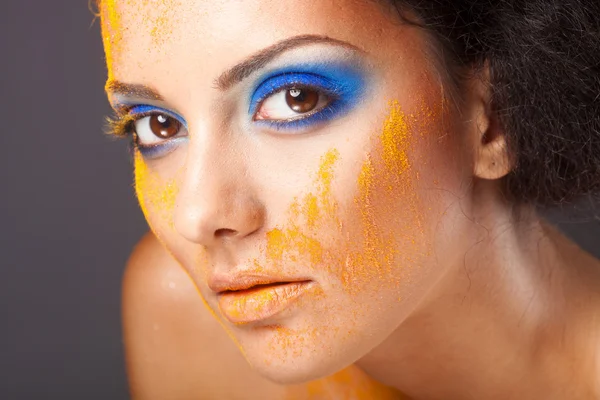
(260, 301)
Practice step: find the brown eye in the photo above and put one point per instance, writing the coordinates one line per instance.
(301, 100)
(164, 126)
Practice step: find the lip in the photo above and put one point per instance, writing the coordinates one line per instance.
(241, 279)
(256, 302)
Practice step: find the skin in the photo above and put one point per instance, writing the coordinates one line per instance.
(420, 269)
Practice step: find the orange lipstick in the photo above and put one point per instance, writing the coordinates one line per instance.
(261, 301)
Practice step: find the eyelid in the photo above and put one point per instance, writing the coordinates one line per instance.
(343, 83)
(143, 110)
(282, 81)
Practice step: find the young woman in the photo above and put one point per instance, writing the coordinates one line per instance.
(342, 196)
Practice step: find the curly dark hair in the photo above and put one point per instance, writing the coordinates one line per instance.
(544, 63)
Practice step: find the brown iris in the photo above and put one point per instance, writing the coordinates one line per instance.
(164, 126)
(301, 100)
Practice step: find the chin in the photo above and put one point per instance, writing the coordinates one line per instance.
(297, 355)
(293, 369)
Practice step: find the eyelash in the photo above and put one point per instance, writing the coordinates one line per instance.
(342, 93)
(289, 80)
(121, 125)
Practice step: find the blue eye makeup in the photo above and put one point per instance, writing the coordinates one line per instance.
(144, 109)
(160, 150)
(296, 98)
(341, 85)
(156, 131)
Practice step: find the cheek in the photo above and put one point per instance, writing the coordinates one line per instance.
(297, 241)
(361, 237)
(367, 232)
(156, 196)
(388, 238)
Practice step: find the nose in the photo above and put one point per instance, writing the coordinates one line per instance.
(216, 200)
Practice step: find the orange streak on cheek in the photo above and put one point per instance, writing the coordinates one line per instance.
(324, 179)
(395, 139)
(293, 241)
(311, 210)
(156, 196)
(384, 176)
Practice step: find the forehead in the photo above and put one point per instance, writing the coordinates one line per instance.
(141, 37)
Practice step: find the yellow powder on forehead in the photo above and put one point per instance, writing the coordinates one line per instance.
(156, 18)
(112, 35)
(164, 17)
(156, 196)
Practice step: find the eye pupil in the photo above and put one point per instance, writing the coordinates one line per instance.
(301, 100)
(164, 126)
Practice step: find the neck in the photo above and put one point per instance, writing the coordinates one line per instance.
(517, 316)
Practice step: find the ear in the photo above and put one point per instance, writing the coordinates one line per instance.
(491, 156)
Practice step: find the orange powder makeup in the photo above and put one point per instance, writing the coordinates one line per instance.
(157, 197)
(291, 342)
(395, 142)
(350, 383)
(294, 240)
(384, 180)
(153, 193)
(111, 33)
(157, 21)
(163, 20)
(365, 255)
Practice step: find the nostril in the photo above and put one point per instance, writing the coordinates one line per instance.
(225, 232)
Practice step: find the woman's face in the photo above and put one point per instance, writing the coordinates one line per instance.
(299, 159)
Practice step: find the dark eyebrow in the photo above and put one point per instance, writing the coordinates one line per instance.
(236, 73)
(114, 87)
(258, 60)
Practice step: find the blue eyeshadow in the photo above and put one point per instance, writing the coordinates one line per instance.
(342, 83)
(144, 109)
(165, 147)
(160, 150)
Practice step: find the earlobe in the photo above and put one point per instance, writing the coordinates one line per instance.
(492, 159)
(491, 156)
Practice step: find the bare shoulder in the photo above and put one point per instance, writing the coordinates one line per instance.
(175, 349)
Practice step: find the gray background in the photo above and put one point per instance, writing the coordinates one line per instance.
(68, 216)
